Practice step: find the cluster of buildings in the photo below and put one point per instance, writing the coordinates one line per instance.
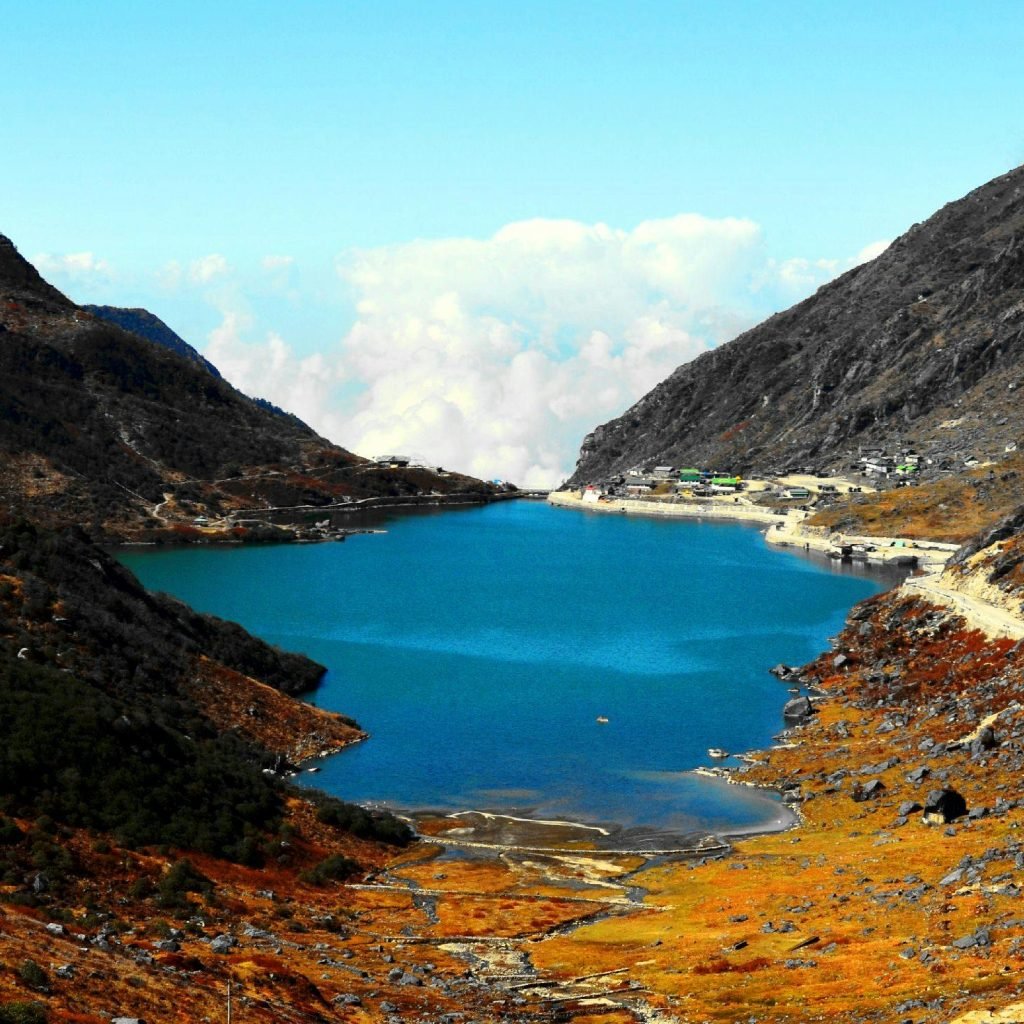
(877, 462)
(667, 480)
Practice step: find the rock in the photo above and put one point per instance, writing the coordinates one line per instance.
(869, 791)
(65, 971)
(797, 708)
(55, 929)
(781, 671)
(168, 946)
(983, 742)
(908, 807)
(348, 999)
(942, 806)
(222, 944)
(918, 774)
(840, 660)
(127, 1020)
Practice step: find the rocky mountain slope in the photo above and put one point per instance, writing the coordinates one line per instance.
(101, 426)
(924, 345)
(146, 325)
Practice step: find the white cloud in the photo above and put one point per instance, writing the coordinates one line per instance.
(208, 268)
(169, 276)
(74, 266)
(870, 252)
(270, 369)
(277, 262)
(496, 356)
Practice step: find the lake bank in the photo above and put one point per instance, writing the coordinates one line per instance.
(783, 529)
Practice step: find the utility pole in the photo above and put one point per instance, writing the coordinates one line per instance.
(229, 1001)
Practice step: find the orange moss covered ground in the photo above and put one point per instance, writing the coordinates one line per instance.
(952, 509)
(267, 717)
(862, 912)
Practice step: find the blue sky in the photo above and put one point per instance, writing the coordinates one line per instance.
(302, 143)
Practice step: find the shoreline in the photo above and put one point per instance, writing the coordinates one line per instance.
(514, 831)
(786, 530)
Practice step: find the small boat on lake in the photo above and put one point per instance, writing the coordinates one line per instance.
(718, 753)
(602, 720)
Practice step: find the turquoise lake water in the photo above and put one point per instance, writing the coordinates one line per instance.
(479, 646)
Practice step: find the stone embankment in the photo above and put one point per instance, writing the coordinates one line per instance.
(791, 531)
(732, 508)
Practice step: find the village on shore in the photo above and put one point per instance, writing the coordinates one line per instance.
(783, 503)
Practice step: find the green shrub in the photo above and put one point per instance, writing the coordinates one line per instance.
(334, 869)
(180, 879)
(380, 825)
(23, 1013)
(10, 833)
(33, 975)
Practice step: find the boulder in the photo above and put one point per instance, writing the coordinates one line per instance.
(868, 791)
(942, 806)
(984, 741)
(798, 708)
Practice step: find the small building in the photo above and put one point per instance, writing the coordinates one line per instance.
(591, 495)
(689, 476)
(799, 493)
(662, 472)
(638, 487)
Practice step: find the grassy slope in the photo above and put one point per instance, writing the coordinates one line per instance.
(951, 509)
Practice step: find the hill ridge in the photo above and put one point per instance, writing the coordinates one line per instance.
(927, 332)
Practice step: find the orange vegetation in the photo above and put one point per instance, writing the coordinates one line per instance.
(952, 509)
(267, 717)
(862, 913)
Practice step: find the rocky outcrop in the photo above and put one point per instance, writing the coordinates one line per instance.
(924, 344)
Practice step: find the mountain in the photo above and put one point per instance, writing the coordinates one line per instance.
(101, 426)
(146, 325)
(922, 346)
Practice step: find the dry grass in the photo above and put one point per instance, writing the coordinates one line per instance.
(953, 509)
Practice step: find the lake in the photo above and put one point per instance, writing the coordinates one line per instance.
(480, 646)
